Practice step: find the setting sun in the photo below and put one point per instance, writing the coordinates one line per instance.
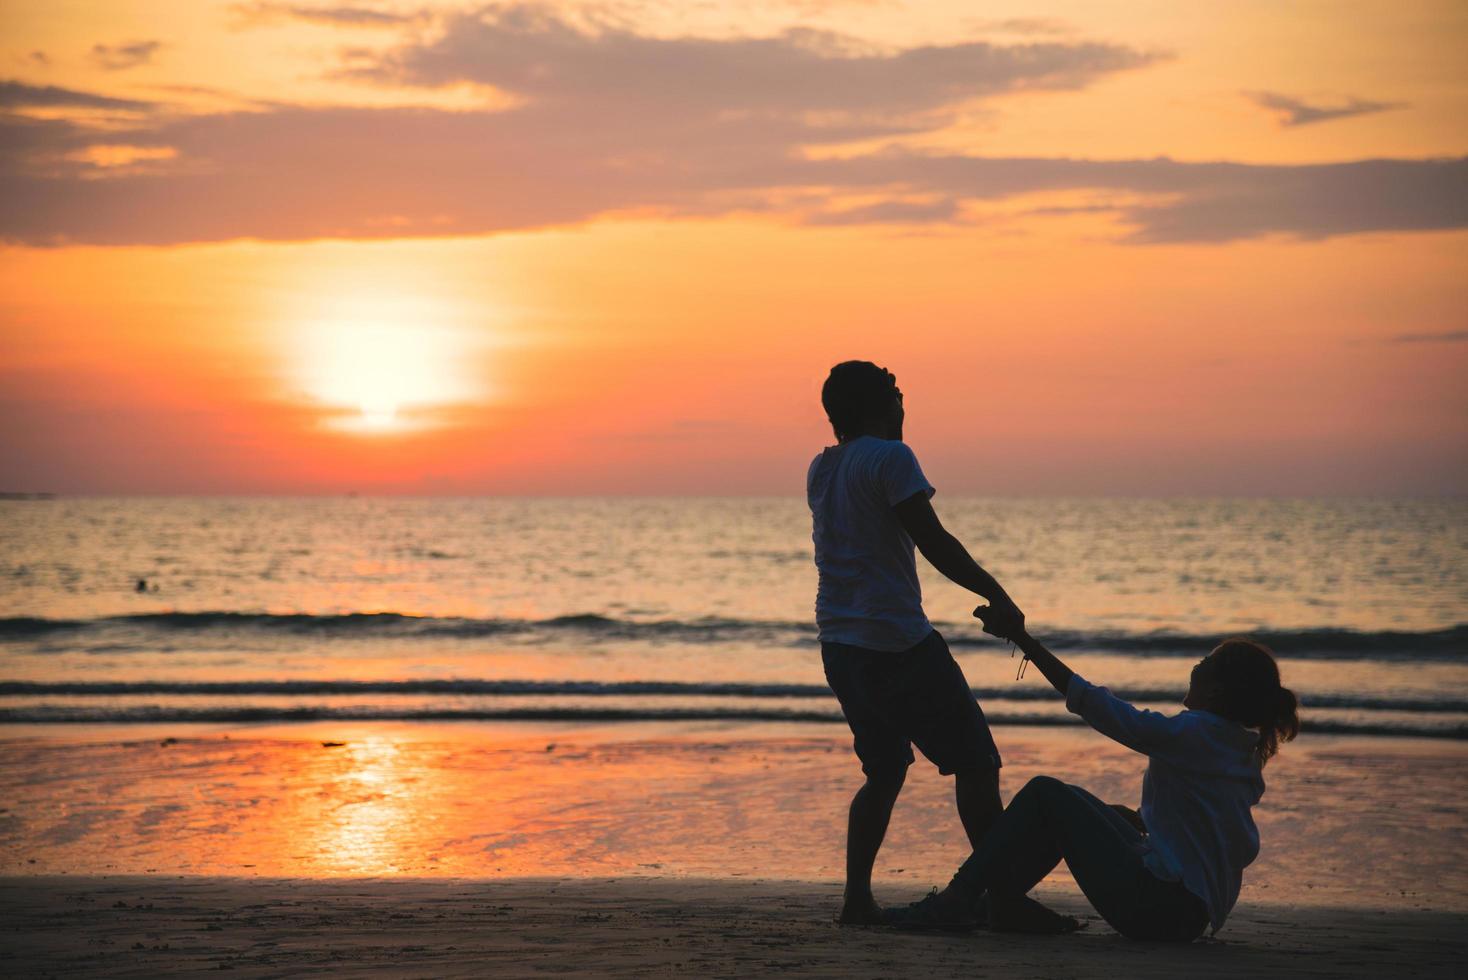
(385, 364)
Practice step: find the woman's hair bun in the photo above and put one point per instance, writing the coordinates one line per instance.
(1249, 692)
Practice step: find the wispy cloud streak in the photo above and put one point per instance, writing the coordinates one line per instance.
(119, 57)
(1290, 111)
(325, 15)
(20, 95)
(1445, 337)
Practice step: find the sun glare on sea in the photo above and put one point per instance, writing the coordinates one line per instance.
(384, 363)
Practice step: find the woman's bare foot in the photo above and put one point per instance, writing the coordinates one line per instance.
(1024, 914)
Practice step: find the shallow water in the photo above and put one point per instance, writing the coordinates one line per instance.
(260, 609)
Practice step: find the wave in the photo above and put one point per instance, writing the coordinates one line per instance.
(159, 714)
(1322, 643)
(146, 629)
(393, 624)
(613, 689)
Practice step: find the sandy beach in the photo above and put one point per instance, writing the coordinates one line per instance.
(415, 850)
(143, 927)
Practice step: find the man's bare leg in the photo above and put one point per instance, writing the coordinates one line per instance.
(866, 827)
(977, 794)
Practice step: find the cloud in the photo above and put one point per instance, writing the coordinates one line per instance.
(944, 210)
(300, 173)
(1311, 202)
(600, 120)
(117, 57)
(38, 58)
(218, 96)
(534, 53)
(1202, 202)
(826, 6)
(19, 95)
(1023, 25)
(327, 15)
(1445, 337)
(1290, 111)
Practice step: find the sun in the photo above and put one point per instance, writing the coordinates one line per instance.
(382, 363)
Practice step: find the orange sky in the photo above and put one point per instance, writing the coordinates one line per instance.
(573, 248)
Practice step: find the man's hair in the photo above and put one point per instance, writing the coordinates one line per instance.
(855, 393)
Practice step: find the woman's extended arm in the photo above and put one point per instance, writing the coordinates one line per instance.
(1056, 672)
(1145, 731)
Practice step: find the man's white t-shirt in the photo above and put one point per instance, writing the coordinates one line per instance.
(869, 595)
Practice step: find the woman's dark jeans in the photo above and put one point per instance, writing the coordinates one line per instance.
(1049, 820)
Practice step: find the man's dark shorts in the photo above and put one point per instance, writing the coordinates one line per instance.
(916, 697)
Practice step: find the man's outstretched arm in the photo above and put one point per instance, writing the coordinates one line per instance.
(948, 555)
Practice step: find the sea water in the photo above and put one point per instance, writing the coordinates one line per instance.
(277, 609)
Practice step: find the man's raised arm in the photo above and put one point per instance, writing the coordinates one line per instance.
(948, 555)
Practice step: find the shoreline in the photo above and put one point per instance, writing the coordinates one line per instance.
(144, 926)
(503, 729)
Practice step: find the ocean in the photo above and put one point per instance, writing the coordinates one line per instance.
(275, 610)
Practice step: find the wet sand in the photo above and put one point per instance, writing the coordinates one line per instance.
(148, 927)
(413, 850)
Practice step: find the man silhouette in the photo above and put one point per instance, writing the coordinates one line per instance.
(892, 672)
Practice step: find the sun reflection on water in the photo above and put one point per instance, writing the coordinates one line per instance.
(367, 807)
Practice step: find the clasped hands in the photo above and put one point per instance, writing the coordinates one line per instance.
(1002, 618)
